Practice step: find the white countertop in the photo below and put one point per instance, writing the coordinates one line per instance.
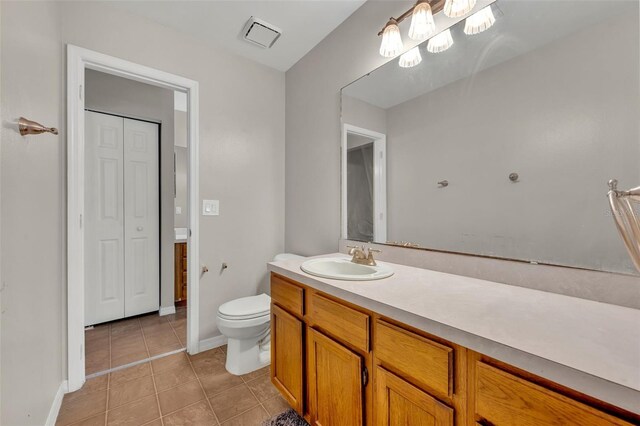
(588, 346)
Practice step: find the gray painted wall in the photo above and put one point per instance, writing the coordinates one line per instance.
(313, 125)
(108, 93)
(362, 114)
(182, 166)
(33, 219)
(241, 164)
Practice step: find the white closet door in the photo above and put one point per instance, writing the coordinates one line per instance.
(103, 218)
(142, 217)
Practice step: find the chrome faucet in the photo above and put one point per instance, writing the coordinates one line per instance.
(361, 257)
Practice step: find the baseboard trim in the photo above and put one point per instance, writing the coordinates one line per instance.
(167, 310)
(57, 403)
(212, 342)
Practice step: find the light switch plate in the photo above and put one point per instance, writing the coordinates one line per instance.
(210, 207)
(178, 210)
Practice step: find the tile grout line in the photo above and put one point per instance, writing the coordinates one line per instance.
(244, 383)
(204, 392)
(197, 377)
(106, 408)
(254, 394)
(153, 377)
(123, 367)
(134, 363)
(110, 350)
(175, 333)
(144, 338)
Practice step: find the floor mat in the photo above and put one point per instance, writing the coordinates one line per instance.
(288, 418)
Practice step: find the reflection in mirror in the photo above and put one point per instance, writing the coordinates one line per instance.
(550, 92)
(366, 194)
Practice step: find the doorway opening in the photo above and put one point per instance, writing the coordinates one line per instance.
(364, 212)
(129, 209)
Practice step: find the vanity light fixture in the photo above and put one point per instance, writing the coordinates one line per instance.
(391, 40)
(410, 58)
(440, 42)
(458, 8)
(422, 24)
(479, 21)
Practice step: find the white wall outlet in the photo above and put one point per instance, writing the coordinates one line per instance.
(178, 210)
(210, 207)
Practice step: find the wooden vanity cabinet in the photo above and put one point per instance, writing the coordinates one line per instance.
(397, 402)
(287, 356)
(180, 272)
(338, 364)
(335, 382)
(503, 395)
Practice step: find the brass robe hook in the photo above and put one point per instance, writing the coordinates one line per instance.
(28, 127)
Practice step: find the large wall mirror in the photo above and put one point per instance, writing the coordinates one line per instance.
(503, 144)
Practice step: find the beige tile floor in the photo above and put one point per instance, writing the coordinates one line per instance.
(122, 342)
(175, 390)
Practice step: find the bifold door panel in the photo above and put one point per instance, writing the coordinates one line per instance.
(121, 217)
(141, 217)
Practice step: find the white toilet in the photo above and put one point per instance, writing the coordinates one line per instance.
(246, 324)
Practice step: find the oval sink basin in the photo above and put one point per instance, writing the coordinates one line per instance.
(338, 268)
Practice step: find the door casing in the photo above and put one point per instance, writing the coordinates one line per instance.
(78, 60)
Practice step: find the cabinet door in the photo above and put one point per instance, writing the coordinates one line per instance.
(287, 360)
(398, 403)
(335, 382)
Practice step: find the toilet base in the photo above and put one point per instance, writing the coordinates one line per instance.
(246, 355)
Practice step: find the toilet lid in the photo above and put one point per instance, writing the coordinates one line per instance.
(246, 307)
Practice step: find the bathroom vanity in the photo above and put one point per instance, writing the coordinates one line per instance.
(429, 348)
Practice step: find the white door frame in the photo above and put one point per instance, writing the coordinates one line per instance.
(379, 180)
(78, 60)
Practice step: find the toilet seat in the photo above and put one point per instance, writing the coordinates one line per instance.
(246, 308)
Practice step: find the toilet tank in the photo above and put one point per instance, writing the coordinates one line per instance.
(286, 256)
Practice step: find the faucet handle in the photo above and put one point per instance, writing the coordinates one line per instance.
(371, 260)
(352, 249)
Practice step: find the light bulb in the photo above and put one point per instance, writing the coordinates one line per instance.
(480, 21)
(410, 58)
(422, 25)
(391, 41)
(440, 42)
(458, 8)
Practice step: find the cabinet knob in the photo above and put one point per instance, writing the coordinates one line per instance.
(139, 228)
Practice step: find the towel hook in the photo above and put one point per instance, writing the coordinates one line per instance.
(29, 127)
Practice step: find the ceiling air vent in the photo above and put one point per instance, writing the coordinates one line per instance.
(260, 33)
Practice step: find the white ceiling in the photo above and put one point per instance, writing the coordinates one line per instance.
(304, 23)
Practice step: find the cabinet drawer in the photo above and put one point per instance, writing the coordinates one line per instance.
(287, 295)
(342, 322)
(501, 398)
(427, 363)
